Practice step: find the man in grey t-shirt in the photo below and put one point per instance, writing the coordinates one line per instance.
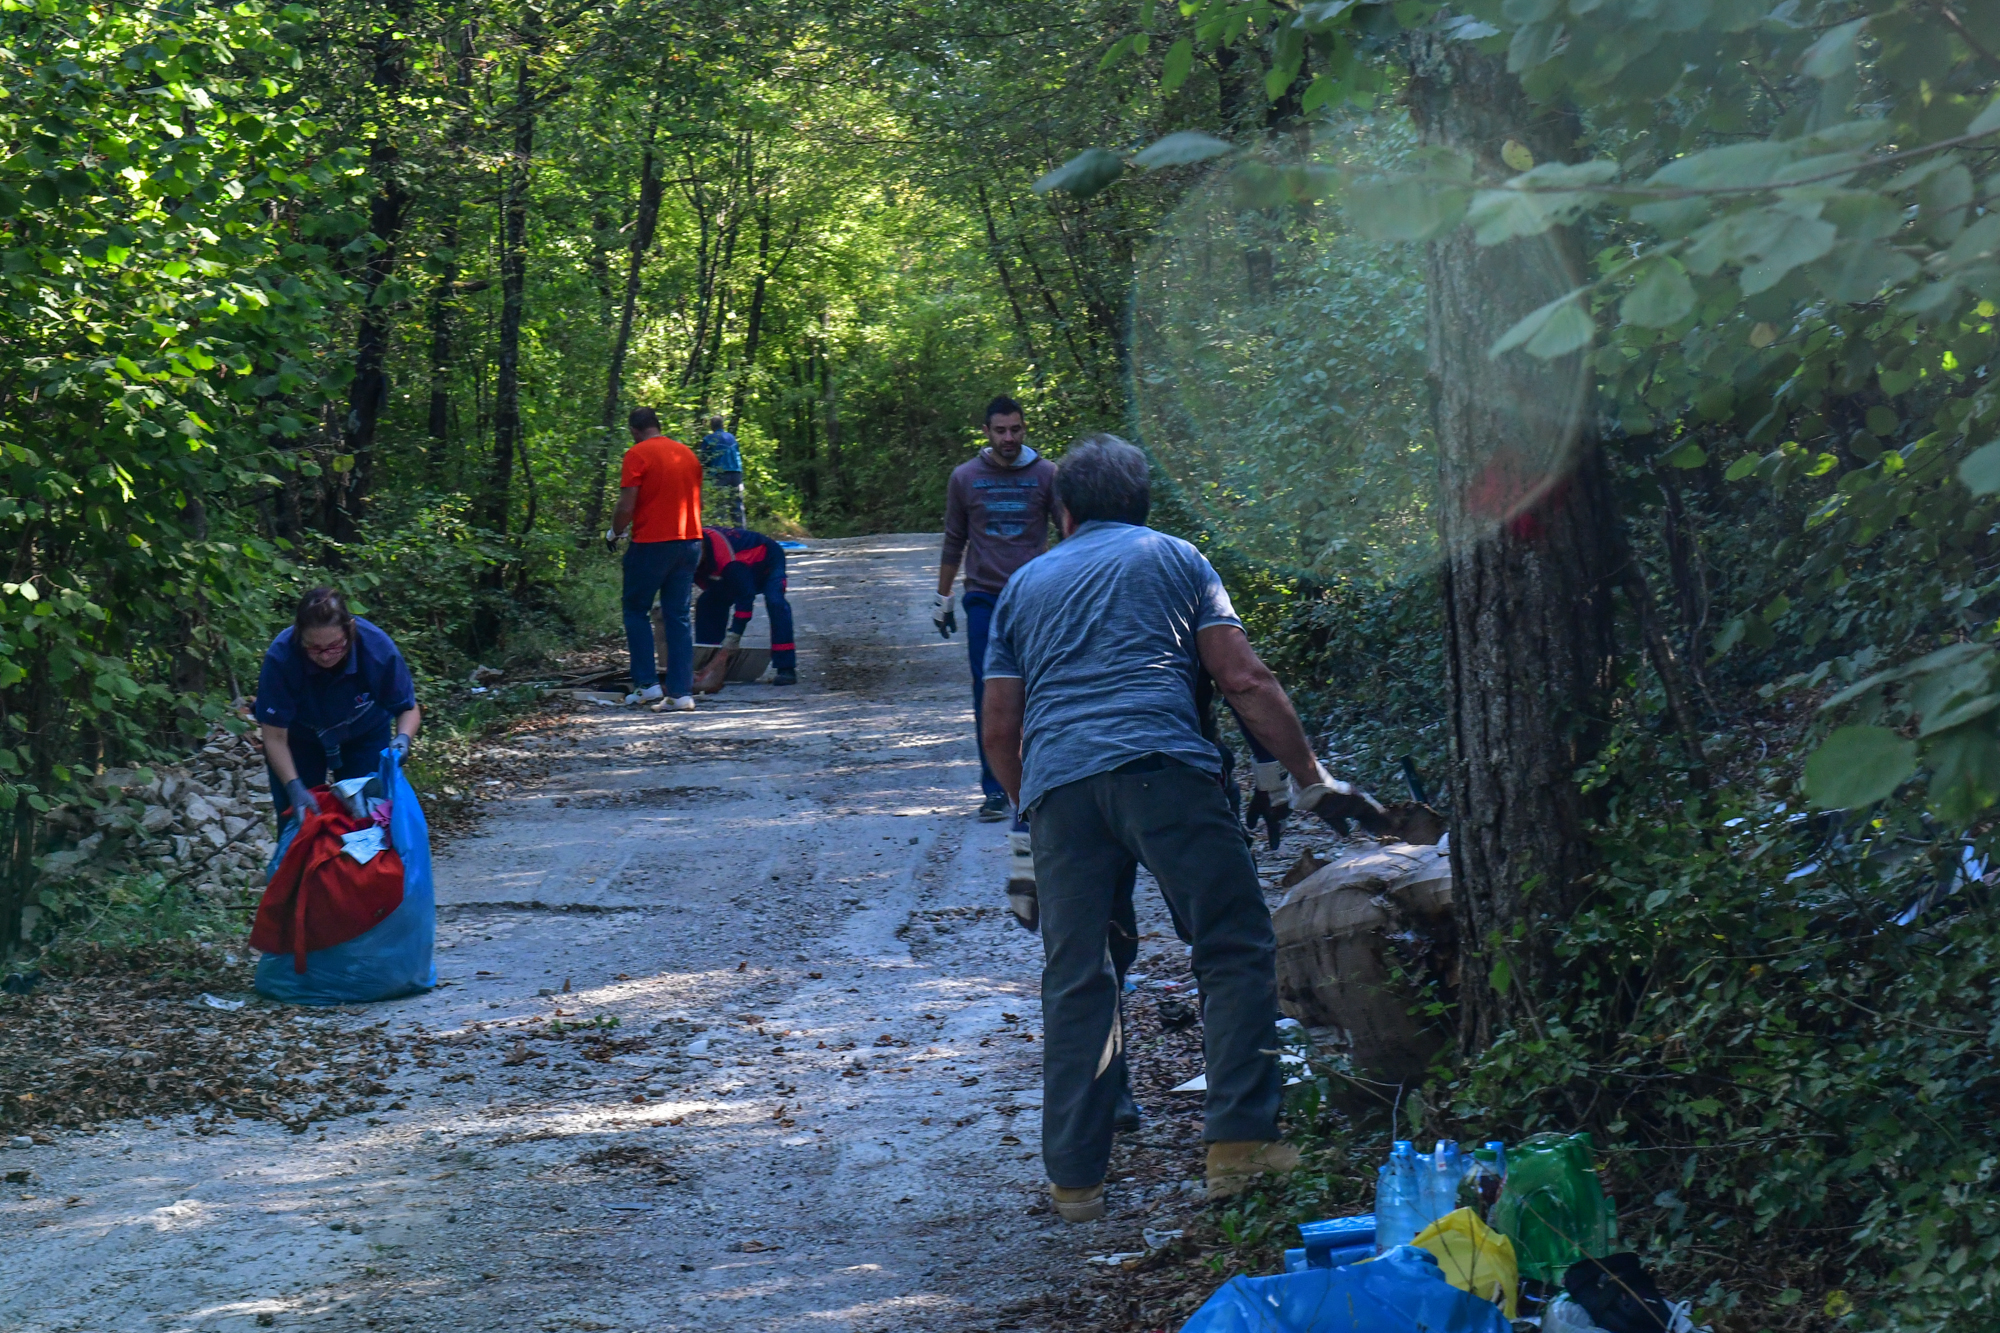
(1090, 724)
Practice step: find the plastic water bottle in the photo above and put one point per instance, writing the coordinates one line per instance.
(1447, 1165)
(1396, 1197)
(1479, 1187)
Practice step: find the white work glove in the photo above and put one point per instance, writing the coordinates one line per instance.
(943, 615)
(1271, 803)
(732, 641)
(1021, 899)
(1337, 802)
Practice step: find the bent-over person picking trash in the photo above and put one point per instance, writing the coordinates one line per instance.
(1090, 724)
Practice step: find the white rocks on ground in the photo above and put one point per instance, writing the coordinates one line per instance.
(207, 822)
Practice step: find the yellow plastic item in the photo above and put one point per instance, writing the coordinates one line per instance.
(1474, 1257)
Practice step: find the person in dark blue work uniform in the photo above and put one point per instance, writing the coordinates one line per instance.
(334, 693)
(736, 565)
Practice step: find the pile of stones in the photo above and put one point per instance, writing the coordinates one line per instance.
(207, 822)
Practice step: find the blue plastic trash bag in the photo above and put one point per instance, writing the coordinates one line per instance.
(1404, 1291)
(391, 959)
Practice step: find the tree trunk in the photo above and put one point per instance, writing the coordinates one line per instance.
(831, 405)
(1048, 296)
(1527, 581)
(753, 329)
(513, 284)
(994, 248)
(368, 393)
(643, 226)
(443, 313)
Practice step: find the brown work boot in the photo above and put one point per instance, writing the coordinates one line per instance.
(1232, 1167)
(1078, 1205)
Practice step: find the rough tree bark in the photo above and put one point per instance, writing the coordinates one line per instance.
(999, 254)
(644, 224)
(753, 328)
(513, 280)
(1528, 586)
(443, 313)
(368, 393)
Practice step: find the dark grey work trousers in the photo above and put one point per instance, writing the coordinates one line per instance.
(1175, 821)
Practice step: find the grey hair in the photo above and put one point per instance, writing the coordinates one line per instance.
(1103, 477)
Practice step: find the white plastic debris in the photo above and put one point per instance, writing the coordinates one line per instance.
(217, 1002)
(1114, 1260)
(1160, 1238)
(363, 844)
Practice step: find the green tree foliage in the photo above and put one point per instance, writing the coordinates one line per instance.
(168, 205)
(363, 293)
(1781, 1019)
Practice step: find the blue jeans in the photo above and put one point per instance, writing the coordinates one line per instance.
(727, 487)
(712, 612)
(665, 570)
(978, 620)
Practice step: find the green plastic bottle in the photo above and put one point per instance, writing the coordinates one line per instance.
(1552, 1206)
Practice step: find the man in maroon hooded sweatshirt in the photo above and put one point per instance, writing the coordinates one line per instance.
(996, 519)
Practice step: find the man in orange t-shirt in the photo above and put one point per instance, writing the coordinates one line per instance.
(659, 497)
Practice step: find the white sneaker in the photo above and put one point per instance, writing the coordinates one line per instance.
(684, 704)
(648, 695)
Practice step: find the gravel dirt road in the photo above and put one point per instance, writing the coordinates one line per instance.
(733, 1034)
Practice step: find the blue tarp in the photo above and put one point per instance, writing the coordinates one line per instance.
(1403, 1291)
(394, 957)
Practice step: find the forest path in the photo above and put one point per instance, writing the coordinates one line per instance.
(794, 876)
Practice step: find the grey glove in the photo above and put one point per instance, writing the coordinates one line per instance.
(301, 798)
(399, 745)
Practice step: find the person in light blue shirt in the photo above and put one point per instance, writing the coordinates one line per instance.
(723, 458)
(1091, 726)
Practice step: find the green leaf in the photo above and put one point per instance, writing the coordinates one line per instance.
(1180, 149)
(1965, 773)
(1743, 467)
(1959, 714)
(1533, 325)
(1858, 766)
(1548, 196)
(1857, 271)
(1532, 44)
(1404, 208)
(1083, 175)
(1788, 241)
(1734, 164)
(1662, 296)
(1833, 54)
(1177, 64)
(1688, 455)
(1981, 469)
(1986, 121)
(1500, 974)
(1568, 330)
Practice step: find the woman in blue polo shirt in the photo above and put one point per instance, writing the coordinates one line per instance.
(334, 693)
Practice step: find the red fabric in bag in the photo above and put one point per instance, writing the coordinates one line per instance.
(320, 896)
